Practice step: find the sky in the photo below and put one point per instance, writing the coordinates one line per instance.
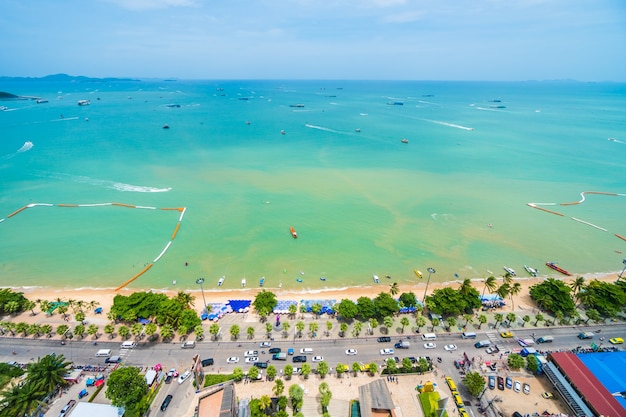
(485, 40)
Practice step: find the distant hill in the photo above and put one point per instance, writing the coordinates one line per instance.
(65, 77)
(7, 96)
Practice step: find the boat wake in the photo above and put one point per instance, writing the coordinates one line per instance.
(437, 122)
(326, 129)
(27, 146)
(114, 185)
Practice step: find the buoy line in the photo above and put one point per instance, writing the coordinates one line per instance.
(182, 211)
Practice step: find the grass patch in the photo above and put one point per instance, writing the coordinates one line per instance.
(213, 379)
(428, 401)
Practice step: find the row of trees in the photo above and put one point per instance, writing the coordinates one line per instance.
(261, 407)
(43, 378)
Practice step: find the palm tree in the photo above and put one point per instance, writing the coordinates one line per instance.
(48, 372)
(394, 289)
(234, 331)
(515, 289)
(250, 332)
(329, 327)
(214, 329)
(435, 323)
(373, 324)
(482, 319)
(268, 329)
(185, 300)
(525, 319)
(404, 321)
(388, 323)
(511, 317)
(498, 317)
(343, 328)
(199, 332)
(264, 403)
(167, 331)
(539, 317)
(292, 309)
(468, 319)
(577, 285)
(29, 305)
(109, 329)
(313, 327)
(356, 329)
(136, 329)
(299, 327)
(286, 327)
(451, 322)
(466, 287)
(124, 331)
(491, 284)
(92, 330)
(420, 322)
(279, 387)
(503, 290)
(22, 400)
(46, 329)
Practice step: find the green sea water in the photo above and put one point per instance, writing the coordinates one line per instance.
(453, 198)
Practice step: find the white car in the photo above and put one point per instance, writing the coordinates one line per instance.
(387, 351)
(526, 389)
(450, 348)
(233, 359)
(517, 387)
(429, 345)
(317, 359)
(252, 359)
(351, 352)
(251, 353)
(265, 344)
(183, 377)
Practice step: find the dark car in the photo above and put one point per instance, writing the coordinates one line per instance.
(501, 383)
(274, 350)
(166, 402)
(413, 359)
(168, 379)
(517, 414)
(113, 359)
(384, 339)
(300, 358)
(260, 365)
(207, 362)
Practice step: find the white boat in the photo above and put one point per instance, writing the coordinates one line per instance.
(510, 271)
(84, 102)
(221, 281)
(243, 282)
(41, 101)
(376, 280)
(531, 271)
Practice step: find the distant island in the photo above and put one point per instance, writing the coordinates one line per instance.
(65, 78)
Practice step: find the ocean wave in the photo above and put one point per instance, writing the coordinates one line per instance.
(119, 186)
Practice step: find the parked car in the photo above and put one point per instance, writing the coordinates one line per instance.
(66, 408)
(265, 344)
(351, 352)
(261, 365)
(526, 389)
(547, 395)
(173, 372)
(168, 379)
(384, 339)
(166, 402)
(183, 377)
(492, 382)
(232, 359)
(509, 382)
(317, 358)
(429, 345)
(517, 387)
(501, 383)
(189, 344)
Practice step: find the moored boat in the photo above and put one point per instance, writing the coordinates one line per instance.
(531, 271)
(84, 102)
(509, 271)
(556, 267)
(404, 140)
(243, 282)
(221, 281)
(375, 277)
(261, 281)
(418, 273)
(293, 232)
(322, 278)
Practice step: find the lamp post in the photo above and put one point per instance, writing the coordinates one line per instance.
(200, 281)
(624, 268)
(430, 271)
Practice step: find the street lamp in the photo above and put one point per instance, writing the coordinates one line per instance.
(430, 271)
(200, 281)
(622, 273)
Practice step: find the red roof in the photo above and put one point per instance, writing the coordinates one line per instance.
(598, 397)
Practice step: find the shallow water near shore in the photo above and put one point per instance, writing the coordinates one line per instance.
(453, 198)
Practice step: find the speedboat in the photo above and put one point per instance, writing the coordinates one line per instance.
(221, 281)
(404, 140)
(84, 102)
(556, 267)
(509, 271)
(531, 271)
(322, 278)
(243, 282)
(376, 280)
(41, 101)
(299, 279)
(299, 106)
(418, 273)
(261, 281)
(293, 232)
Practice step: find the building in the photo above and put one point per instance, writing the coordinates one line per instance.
(218, 401)
(375, 400)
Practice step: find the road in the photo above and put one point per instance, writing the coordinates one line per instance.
(171, 355)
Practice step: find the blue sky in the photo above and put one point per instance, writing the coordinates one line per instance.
(316, 39)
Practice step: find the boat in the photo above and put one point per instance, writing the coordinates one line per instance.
(297, 105)
(166, 126)
(243, 282)
(376, 280)
(404, 141)
(531, 271)
(418, 273)
(357, 130)
(556, 267)
(84, 102)
(509, 271)
(293, 232)
(322, 278)
(261, 281)
(299, 279)
(221, 281)
(41, 101)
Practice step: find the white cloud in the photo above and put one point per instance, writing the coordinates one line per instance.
(151, 4)
(404, 17)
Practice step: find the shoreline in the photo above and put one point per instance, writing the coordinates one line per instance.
(105, 295)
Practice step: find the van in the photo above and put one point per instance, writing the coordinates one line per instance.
(166, 402)
(128, 345)
(189, 344)
(113, 359)
(103, 353)
(545, 339)
(468, 335)
(429, 336)
(482, 344)
(306, 351)
(208, 362)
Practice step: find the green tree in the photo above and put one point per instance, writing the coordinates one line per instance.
(420, 321)
(511, 317)
(300, 327)
(214, 329)
(532, 363)
(292, 309)
(394, 289)
(296, 396)
(288, 371)
(373, 324)
(475, 383)
(238, 373)
(391, 366)
(279, 387)
(92, 330)
(109, 329)
(346, 309)
(306, 370)
(29, 305)
(407, 365)
(48, 372)
(385, 305)
(151, 329)
(271, 372)
(490, 284)
(553, 295)
(124, 331)
(388, 323)
(264, 403)
(516, 361)
(313, 327)
(199, 332)
(167, 331)
(250, 331)
(136, 329)
(515, 289)
(365, 307)
(482, 319)
(525, 319)
(286, 327)
(79, 330)
(264, 302)
(234, 331)
(357, 328)
(343, 328)
(498, 318)
(408, 299)
(62, 330)
(325, 396)
(372, 368)
(538, 317)
(322, 369)
(329, 327)
(126, 387)
(451, 322)
(21, 399)
(80, 317)
(253, 373)
(404, 321)
(268, 329)
(593, 315)
(356, 368)
(316, 309)
(46, 329)
(504, 290)
(435, 322)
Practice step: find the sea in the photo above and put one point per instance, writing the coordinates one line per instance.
(248, 160)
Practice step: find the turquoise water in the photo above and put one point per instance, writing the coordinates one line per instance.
(362, 203)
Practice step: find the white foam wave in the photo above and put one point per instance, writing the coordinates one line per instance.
(325, 129)
(438, 122)
(27, 146)
(119, 186)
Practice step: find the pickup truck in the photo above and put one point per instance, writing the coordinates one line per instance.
(280, 356)
(585, 335)
(403, 344)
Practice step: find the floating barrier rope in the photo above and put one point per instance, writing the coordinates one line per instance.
(182, 211)
(572, 203)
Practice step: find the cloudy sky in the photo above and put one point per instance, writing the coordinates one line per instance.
(316, 39)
